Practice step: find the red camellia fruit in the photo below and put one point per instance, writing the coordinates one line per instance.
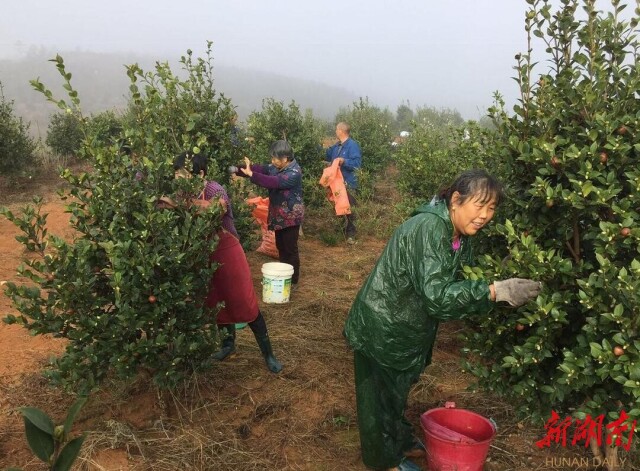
(519, 327)
(618, 350)
(622, 130)
(549, 203)
(625, 232)
(603, 157)
(152, 299)
(555, 162)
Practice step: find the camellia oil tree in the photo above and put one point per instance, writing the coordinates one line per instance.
(573, 213)
(17, 148)
(436, 153)
(301, 129)
(127, 292)
(276, 121)
(183, 111)
(372, 127)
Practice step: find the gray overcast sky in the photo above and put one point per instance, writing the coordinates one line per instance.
(435, 53)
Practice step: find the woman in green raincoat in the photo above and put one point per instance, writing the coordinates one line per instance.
(415, 285)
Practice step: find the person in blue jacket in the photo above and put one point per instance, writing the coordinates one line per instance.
(347, 152)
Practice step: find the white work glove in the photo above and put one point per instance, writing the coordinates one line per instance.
(517, 291)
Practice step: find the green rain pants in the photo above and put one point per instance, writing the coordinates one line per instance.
(381, 397)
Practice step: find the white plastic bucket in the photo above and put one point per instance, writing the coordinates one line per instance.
(276, 282)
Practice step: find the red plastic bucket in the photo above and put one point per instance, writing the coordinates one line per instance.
(456, 439)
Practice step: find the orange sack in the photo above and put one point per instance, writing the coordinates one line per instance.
(260, 213)
(336, 189)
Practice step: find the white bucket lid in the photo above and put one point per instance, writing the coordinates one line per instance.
(277, 269)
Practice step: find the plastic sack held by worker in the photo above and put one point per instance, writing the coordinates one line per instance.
(336, 189)
(260, 212)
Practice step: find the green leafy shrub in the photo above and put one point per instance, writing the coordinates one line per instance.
(440, 118)
(105, 128)
(276, 121)
(432, 156)
(65, 133)
(16, 146)
(169, 114)
(128, 291)
(372, 127)
(571, 147)
(245, 224)
(304, 132)
(404, 116)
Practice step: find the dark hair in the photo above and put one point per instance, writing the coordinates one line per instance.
(281, 149)
(124, 147)
(198, 162)
(474, 183)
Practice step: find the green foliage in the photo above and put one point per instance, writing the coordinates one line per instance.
(16, 147)
(432, 156)
(67, 129)
(105, 129)
(439, 118)
(50, 443)
(276, 121)
(331, 238)
(372, 127)
(65, 133)
(304, 132)
(572, 150)
(168, 114)
(245, 224)
(128, 291)
(404, 116)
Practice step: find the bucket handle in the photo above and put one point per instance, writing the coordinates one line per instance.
(493, 422)
(452, 405)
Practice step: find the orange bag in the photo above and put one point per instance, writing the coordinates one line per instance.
(260, 213)
(336, 189)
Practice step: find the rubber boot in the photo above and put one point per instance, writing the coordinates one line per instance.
(267, 352)
(417, 449)
(408, 465)
(228, 334)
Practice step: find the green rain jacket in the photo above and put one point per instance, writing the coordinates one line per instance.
(415, 284)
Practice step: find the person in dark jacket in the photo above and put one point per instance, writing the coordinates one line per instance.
(347, 152)
(283, 179)
(231, 283)
(415, 284)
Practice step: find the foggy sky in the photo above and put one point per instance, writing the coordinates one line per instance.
(442, 53)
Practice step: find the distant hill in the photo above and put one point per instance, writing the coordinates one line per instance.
(102, 84)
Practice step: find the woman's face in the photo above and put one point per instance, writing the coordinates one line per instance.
(279, 163)
(182, 173)
(472, 215)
